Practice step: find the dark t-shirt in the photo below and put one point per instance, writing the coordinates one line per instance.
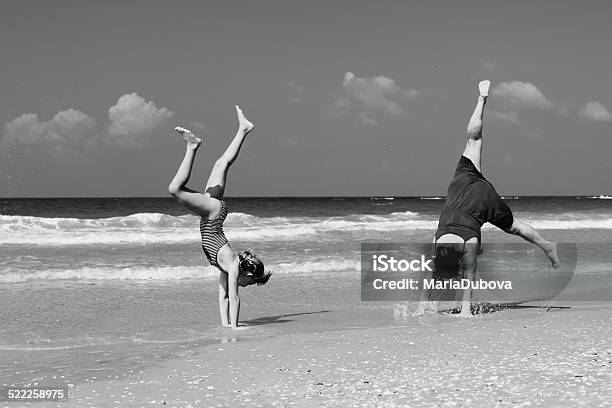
(472, 201)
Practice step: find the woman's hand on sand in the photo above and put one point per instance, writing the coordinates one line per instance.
(236, 327)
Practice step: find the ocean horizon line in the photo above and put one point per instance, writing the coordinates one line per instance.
(514, 196)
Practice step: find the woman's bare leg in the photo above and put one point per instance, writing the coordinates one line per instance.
(473, 148)
(530, 234)
(216, 182)
(193, 200)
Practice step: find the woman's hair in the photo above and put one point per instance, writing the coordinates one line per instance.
(447, 262)
(251, 270)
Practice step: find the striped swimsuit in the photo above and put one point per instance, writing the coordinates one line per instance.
(213, 237)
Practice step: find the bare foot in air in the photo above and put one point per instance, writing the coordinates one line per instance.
(552, 254)
(243, 122)
(483, 88)
(190, 138)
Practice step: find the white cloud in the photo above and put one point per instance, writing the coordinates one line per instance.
(366, 120)
(340, 106)
(595, 111)
(516, 95)
(511, 98)
(411, 93)
(132, 119)
(197, 125)
(367, 96)
(510, 117)
(68, 129)
(374, 93)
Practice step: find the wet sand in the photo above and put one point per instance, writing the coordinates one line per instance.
(311, 343)
(524, 356)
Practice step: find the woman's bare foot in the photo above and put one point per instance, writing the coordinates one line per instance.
(483, 88)
(191, 140)
(552, 254)
(243, 123)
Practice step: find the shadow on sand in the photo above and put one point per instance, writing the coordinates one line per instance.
(486, 308)
(278, 318)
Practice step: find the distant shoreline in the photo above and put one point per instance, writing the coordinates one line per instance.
(509, 196)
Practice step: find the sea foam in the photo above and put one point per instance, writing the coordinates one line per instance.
(152, 228)
(172, 273)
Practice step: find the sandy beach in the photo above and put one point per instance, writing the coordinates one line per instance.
(416, 194)
(310, 342)
(524, 356)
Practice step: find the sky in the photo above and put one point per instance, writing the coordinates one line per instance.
(349, 98)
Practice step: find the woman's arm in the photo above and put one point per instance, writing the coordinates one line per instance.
(234, 299)
(223, 300)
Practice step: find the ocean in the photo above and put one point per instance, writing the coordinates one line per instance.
(155, 239)
(94, 288)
